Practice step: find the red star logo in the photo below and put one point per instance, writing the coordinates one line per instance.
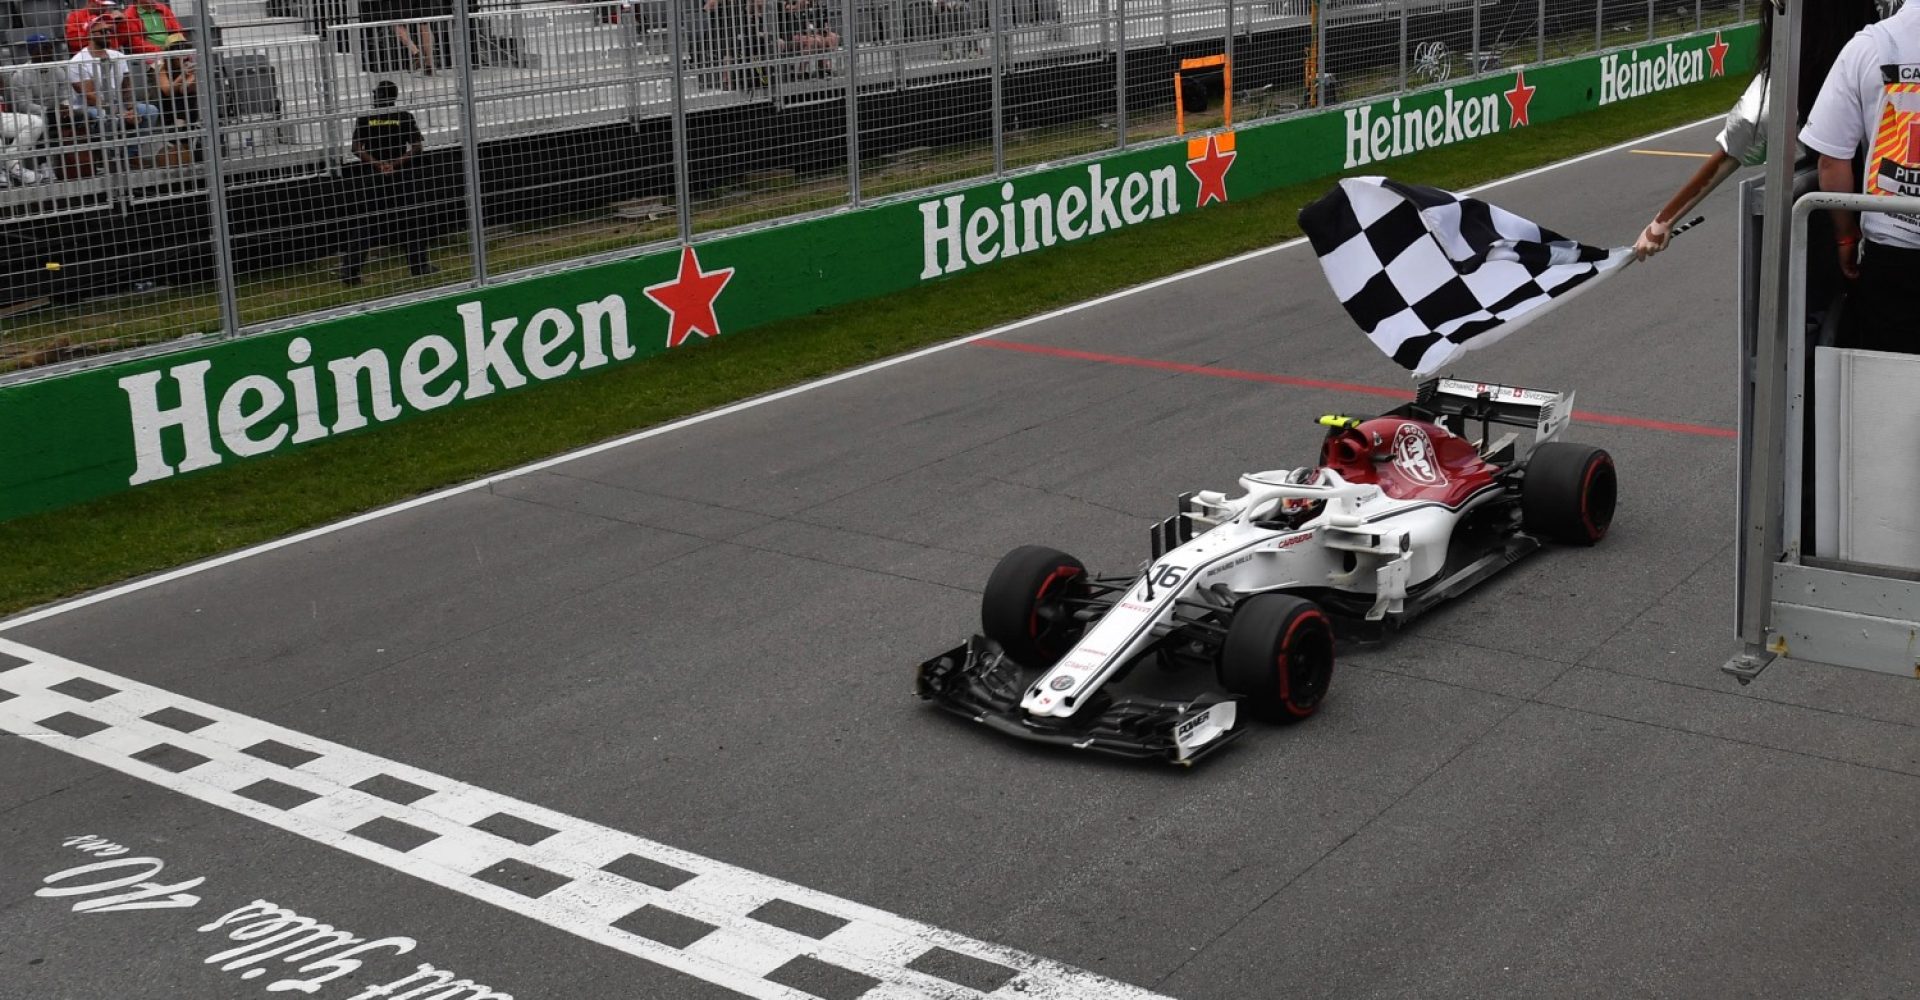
(688, 299)
(1518, 99)
(1209, 160)
(1718, 53)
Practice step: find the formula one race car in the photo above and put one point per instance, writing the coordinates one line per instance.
(1402, 512)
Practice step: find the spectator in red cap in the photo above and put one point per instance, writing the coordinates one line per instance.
(102, 79)
(79, 21)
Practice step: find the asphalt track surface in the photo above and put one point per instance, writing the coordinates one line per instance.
(702, 642)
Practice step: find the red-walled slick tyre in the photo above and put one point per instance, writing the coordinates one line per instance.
(1279, 656)
(1027, 607)
(1569, 493)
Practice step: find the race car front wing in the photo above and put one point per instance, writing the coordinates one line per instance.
(978, 681)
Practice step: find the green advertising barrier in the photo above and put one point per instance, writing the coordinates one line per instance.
(74, 437)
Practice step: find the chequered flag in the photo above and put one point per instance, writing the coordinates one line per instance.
(1429, 274)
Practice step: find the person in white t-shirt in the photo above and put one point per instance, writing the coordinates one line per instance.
(1825, 28)
(102, 81)
(1870, 105)
(21, 132)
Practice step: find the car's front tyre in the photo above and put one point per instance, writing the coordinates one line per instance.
(1279, 656)
(1028, 607)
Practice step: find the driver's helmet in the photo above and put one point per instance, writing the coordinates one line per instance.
(1299, 510)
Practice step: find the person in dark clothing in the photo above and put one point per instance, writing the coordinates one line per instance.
(177, 80)
(177, 83)
(380, 185)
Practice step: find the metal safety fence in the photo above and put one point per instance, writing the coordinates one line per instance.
(169, 176)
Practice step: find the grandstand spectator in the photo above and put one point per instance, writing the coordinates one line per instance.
(21, 132)
(80, 22)
(1825, 27)
(147, 26)
(103, 87)
(959, 18)
(485, 48)
(41, 88)
(805, 30)
(1860, 110)
(380, 185)
(177, 83)
(417, 37)
(734, 36)
(381, 49)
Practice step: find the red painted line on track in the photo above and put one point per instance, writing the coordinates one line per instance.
(1648, 424)
(1301, 382)
(1296, 381)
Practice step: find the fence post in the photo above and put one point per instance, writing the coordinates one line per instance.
(1120, 73)
(1473, 56)
(216, 175)
(1599, 24)
(630, 46)
(1227, 48)
(330, 93)
(1320, 53)
(1540, 44)
(682, 186)
(897, 39)
(1403, 45)
(1650, 16)
(768, 29)
(998, 29)
(853, 103)
(470, 141)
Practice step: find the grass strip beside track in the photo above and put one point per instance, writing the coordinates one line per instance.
(53, 555)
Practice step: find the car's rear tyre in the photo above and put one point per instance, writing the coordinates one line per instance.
(1279, 656)
(1569, 493)
(1023, 608)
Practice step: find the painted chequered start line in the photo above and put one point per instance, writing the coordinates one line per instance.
(750, 933)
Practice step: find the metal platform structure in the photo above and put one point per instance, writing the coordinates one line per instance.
(1793, 602)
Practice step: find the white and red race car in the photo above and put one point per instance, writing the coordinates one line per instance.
(1402, 512)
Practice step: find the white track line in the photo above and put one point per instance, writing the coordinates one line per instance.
(311, 791)
(748, 404)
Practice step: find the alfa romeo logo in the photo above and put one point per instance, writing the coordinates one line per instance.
(1413, 455)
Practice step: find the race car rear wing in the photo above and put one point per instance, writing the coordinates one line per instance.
(1453, 402)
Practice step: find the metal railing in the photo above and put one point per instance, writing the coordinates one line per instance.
(553, 134)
